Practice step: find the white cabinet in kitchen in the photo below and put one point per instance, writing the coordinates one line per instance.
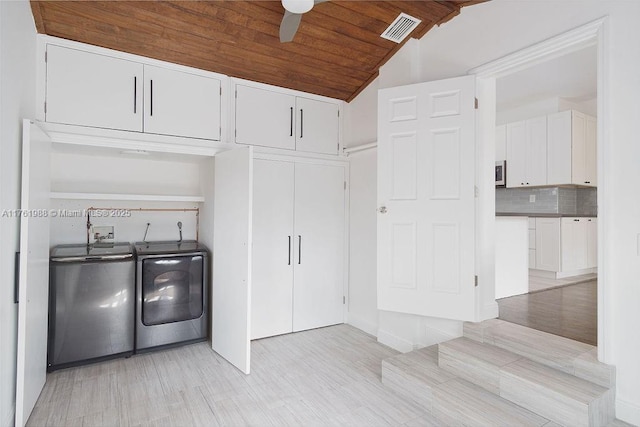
(532, 242)
(592, 242)
(298, 247)
(548, 244)
(571, 143)
(527, 153)
(280, 120)
(501, 142)
(181, 104)
(94, 90)
(574, 243)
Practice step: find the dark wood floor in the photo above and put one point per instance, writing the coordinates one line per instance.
(569, 311)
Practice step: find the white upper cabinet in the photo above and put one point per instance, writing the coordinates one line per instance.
(89, 89)
(93, 90)
(280, 120)
(501, 142)
(571, 143)
(317, 126)
(265, 118)
(527, 153)
(181, 104)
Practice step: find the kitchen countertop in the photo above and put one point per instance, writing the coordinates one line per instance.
(544, 215)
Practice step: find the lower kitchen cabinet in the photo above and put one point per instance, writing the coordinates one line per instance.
(298, 247)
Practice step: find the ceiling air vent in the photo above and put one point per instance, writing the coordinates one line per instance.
(400, 28)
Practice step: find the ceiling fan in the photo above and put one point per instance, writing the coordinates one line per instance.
(293, 11)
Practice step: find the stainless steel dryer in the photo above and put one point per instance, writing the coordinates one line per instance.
(172, 282)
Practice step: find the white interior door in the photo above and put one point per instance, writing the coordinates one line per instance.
(231, 287)
(318, 288)
(33, 295)
(272, 266)
(182, 104)
(426, 179)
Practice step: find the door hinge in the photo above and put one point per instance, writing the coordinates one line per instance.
(475, 191)
(476, 281)
(476, 103)
(344, 299)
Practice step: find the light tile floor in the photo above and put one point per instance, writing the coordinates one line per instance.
(537, 284)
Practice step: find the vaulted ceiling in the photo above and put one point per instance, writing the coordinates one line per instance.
(336, 52)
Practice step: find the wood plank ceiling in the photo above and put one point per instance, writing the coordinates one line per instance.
(336, 52)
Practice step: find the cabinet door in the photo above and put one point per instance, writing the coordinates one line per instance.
(548, 244)
(536, 150)
(574, 244)
(501, 142)
(559, 148)
(317, 126)
(181, 104)
(591, 149)
(272, 262)
(265, 118)
(93, 90)
(517, 154)
(578, 148)
(592, 242)
(319, 246)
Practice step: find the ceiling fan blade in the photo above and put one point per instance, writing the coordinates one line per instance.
(289, 26)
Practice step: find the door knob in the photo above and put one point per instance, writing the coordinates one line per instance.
(382, 209)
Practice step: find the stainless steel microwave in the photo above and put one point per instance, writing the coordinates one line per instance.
(501, 173)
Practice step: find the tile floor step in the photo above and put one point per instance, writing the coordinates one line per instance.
(458, 402)
(475, 362)
(413, 375)
(555, 395)
(569, 356)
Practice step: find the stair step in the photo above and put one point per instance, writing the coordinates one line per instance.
(413, 375)
(475, 362)
(569, 356)
(457, 402)
(558, 396)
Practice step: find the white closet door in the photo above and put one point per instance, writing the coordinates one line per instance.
(319, 246)
(181, 104)
(231, 285)
(33, 294)
(265, 118)
(272, 271)
(93, 90)
(317, 123)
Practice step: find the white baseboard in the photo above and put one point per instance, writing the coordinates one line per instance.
(9, 420)
(628, 412)
(362, 324)
(565, 274)
(394, 342)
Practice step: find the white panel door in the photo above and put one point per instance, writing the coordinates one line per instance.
(265, 118)
(426, 220)
(181, 104)
(318, 288)
(231, 285)
(93, 90)
(317, 126)
(33, 295)
(537, 151)
(517, 154)
(548, 244)
(272, 271)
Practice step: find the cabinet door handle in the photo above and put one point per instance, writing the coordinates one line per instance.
(587, 182)
(301, 122)
(577, 220)
(291, 122)
(135, 94)
(299, 249)
(289, 251)
(151, 100)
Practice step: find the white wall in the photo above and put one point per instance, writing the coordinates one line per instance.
(17, 101)
(488, 31)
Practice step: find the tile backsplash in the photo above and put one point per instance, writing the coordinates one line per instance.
(550, 200)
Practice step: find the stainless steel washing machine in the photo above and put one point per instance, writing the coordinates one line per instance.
(91, 304)
(172, 291)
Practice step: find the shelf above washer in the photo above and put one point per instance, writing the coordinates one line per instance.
(131, 197)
